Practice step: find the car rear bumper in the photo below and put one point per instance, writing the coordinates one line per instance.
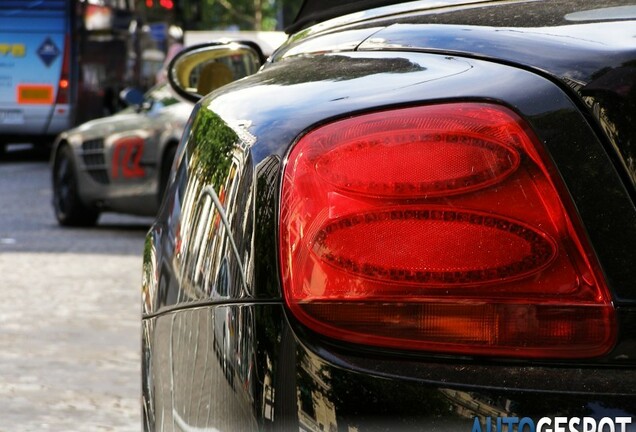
(245, 366)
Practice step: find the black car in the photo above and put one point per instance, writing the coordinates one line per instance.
(415, 216)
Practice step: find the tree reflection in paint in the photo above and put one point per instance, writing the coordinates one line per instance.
(212, 154)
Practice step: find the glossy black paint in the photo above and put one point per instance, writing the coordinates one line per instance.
(587, 48)
(243, 367)
(578, 154)
(603, 79)
(220, 349)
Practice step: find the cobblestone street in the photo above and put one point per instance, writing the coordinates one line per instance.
(69, 345)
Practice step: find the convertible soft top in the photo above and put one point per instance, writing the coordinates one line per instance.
(314, 11)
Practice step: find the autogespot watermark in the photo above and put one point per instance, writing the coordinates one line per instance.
(552, 424)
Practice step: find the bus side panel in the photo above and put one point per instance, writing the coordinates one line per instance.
(32, 44)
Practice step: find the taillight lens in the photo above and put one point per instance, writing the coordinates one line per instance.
(63, 90)
(440, 228)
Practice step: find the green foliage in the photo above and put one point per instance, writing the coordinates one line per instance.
(237, 14)
(212, 154)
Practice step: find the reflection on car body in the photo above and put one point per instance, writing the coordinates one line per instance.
(413, 217)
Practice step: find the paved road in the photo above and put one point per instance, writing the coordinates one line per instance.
(69, 312)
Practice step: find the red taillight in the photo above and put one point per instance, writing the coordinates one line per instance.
(63, 85)
(166, 4)
(439, 228)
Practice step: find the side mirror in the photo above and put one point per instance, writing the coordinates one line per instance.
(132, 96)
(200, 69)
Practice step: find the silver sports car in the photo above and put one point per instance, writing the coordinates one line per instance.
(121, 163)
(118, 163)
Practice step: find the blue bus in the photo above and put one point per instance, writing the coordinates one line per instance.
(62, 62)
